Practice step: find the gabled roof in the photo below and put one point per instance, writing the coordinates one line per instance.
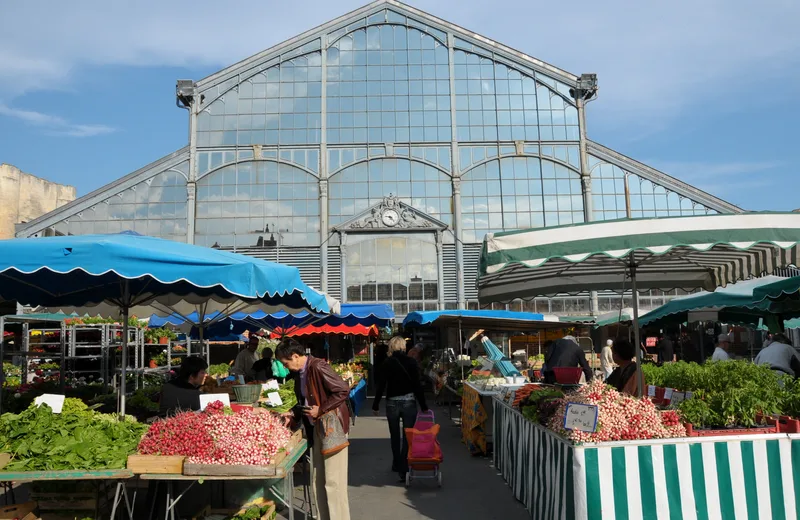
(101, 194)
(681, 188)
(433, 21)
(402, 217)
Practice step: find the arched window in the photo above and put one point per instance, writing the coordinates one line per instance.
(258, 203)
(155, 207)
(357, 187)
(519, 193)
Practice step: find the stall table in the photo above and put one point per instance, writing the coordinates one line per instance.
(118, 475)
(284, 477)
(731, 477)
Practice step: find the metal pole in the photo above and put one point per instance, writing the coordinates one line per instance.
(637, 341)
(125, 311)
(2, 356)
(460, 347)
(61, 367)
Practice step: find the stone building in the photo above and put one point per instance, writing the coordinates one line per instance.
(374, 153)
(25, 197)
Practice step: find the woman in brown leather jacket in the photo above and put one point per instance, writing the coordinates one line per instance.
(320, 390)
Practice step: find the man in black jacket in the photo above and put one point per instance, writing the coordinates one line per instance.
(565, 353)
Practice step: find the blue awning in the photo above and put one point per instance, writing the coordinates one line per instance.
(485, 319)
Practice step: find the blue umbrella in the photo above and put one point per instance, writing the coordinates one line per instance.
(132, 274)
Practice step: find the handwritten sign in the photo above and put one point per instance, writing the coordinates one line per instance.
(274, 399)
(206, 399)
(677, 398)
(581, 417)
(651, 391)
(667, 394)
(54, 401)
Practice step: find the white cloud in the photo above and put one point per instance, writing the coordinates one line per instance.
(54, 125)
(654, 60)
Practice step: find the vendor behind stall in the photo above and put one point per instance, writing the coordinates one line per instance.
(183, 392)
(247, 357)
(262, 369)
(565, 353)
(623, 377)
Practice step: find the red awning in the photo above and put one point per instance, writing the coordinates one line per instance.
(355, 330)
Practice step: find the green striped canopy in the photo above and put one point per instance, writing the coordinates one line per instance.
(734, 304)
(668, 253)
(614, 317)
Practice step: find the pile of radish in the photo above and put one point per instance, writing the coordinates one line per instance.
(218, 436)
(621, 417)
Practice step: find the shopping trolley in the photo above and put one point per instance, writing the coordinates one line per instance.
(424, 451)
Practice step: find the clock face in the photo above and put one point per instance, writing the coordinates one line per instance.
(390, 217)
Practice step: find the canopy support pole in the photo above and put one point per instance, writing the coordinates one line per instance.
(125, 312)
(636, 339)
(460, 349)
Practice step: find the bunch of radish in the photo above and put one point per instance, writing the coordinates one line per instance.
(621, 417)
(216, 436)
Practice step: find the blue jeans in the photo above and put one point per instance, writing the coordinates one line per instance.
(395, 411)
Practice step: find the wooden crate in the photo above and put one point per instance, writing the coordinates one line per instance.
(207, 513)
(16, 511)
(156, 464)
(244, 470)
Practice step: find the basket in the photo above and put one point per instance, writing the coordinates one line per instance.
(567, 376)
(247, 393)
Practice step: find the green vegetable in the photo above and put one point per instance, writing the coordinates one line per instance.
(217, 370)
(77, 438)
(253, 513)
(289, 399)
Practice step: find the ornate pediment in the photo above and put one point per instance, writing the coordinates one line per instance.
(392, 214)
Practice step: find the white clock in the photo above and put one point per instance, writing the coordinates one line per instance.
(390, 217)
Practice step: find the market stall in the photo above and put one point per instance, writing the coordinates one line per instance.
(749, 476)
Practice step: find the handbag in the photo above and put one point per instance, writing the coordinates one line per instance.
(329, 426)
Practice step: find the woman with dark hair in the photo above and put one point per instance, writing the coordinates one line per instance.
(623, 377)
(183, 392)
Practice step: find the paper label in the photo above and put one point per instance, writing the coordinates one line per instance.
(206, 399)
(677, 398)
(54, 401)
(272, 384)
(274, 399)
(667, 394)
(581, 417)
(651, 391)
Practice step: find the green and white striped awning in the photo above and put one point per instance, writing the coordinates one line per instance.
(668, 253)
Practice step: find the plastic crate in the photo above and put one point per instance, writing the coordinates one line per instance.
(567, 376)
(788, 424)
(725, 432)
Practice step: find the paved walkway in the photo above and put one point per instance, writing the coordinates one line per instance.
(471, 487)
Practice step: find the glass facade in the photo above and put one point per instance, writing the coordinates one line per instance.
(398, 270)
(387, 103)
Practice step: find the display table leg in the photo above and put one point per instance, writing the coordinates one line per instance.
(120, 494)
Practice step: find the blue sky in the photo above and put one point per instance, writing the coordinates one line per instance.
(701, 90)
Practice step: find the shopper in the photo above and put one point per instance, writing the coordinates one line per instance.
(183, 392)
(262, 369)
(322, 407)
(607, 359)
(721, 352)
(781, 356)
(398, 376)
(666, 350)
(565, 353)
(623, 378)
(247, 357)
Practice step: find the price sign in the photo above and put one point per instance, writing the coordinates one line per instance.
(272, 384)
(207, 399)
(651, 391)
(274, 399)
(677, 398)
(581, 417)
(667, 394)
(54, 401)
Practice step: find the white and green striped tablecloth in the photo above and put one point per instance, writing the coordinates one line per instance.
(704, 478)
